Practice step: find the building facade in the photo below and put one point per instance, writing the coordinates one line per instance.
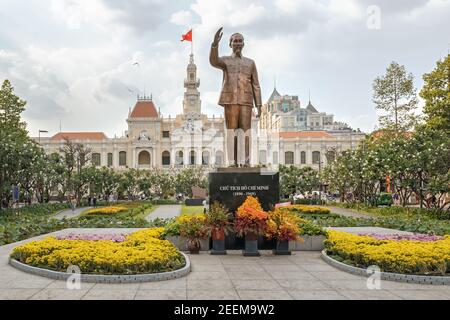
(285, 134)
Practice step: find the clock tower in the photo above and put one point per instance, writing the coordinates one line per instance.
(191, 102)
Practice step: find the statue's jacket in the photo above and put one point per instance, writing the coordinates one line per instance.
(240, 79)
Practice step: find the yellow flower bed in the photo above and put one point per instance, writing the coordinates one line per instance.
(141, 252)
(404, 256)
(107, 210)
(301, 208)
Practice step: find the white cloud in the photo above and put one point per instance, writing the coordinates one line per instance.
(182, 18)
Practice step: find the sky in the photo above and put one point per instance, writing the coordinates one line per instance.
(73, 61)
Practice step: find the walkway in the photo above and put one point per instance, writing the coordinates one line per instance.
(164, 212)
(304, 275)
(69, 213)
(349, 213)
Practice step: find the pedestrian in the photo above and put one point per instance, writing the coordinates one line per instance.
(94, 201)
(89, 201)
(73, 203)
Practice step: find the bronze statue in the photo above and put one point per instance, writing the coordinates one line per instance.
(240, 89)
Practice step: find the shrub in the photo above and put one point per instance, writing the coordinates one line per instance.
(141, 252)
(250, 218)
(283, 225)
(304, 209)
(106, 210)
(218, 217)
(410, 257)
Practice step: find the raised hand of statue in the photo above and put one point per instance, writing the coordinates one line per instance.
(217, 37)
(259, 113)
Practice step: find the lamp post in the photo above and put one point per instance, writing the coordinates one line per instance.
(319, 162)
(41, 131)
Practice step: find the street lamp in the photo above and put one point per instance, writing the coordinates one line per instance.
(41, 131)
(319, 162)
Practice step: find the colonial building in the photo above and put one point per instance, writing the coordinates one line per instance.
(285, 134)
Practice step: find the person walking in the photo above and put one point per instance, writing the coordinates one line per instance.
(94, 201)
(73, 203)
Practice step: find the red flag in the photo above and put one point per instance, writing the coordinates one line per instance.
(187, 36)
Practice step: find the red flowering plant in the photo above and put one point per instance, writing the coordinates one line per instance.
(194, 229)
(283, 225)
(250, 217)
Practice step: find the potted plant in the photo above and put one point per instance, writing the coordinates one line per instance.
(250, 222)
(218, 222)
(283, 226)
(194, 229)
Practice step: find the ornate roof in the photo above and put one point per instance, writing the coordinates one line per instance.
(79, 136)
(275, 95)
(144, 108)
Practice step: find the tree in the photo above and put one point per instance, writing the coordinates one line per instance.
(18, 153)
(394, 93)
(436, 93)
(190, 177)
(294, 179)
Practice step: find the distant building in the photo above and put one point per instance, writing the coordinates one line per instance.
(285, 134)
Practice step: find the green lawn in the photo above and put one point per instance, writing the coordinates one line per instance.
(191, 210)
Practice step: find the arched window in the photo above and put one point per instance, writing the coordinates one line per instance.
(122, 158)
(262, 157)
(275, 157)
(96, 159)
(110, 159)
(219, 158)
(179, 158)
(192, 157)
(144, 158)
(289, 157)
(316, 157)
(303, 157)
(205, 157)
(166, 158)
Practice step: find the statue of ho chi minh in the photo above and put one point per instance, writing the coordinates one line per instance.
(240, 89)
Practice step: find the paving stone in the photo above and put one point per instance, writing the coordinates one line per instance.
(302, 284)
(316, 295)
(347, 284)
(116, 286)
(105, 294)
(248, 275)
(17, 294)
(195, 284)
(263, 295)
(369, 295)
(58, 284)
(160, 295)
(208, 275)
(421, 294)
(175, 284)
(301, 274)
(59, 294)
(244, 268)
(336, 275)
(207, 267)
(281, 267)
(226, 294)
(260, 285)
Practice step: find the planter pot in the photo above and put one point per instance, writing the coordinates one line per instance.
(317, 243)
(282, 248)
(180, 243)
(251, 245)
(193, 246)
(218, 242)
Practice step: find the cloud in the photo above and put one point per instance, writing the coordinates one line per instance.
(75, 60)
(182, 18)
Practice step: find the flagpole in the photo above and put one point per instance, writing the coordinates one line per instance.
(192, 44)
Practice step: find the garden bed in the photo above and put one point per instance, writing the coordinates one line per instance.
(408, 254)
(140, 256)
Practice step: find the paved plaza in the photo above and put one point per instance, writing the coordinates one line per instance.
(304, 275)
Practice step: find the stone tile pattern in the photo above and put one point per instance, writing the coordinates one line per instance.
(303, 275)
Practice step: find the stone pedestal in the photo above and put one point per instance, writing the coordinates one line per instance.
(231, 186)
